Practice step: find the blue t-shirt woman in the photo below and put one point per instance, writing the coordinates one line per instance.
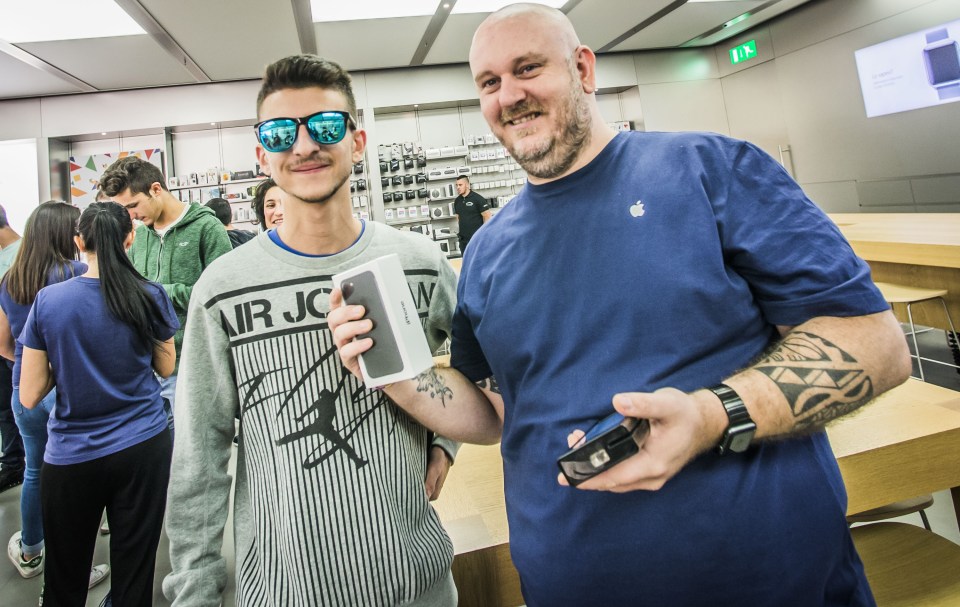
(102, 338)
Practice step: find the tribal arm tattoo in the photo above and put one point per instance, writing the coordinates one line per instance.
(490, 384)
(820, 381)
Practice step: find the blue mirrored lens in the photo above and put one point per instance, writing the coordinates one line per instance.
(327, 128)
(277, 135)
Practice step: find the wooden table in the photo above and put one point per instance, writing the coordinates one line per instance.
(904, 444)
(916, 249)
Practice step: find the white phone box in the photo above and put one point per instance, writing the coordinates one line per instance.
(380, 285)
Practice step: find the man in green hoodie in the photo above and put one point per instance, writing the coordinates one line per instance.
(175, 242)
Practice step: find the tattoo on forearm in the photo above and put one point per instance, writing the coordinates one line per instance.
(490, 384)
(431, 381)
(819, 380)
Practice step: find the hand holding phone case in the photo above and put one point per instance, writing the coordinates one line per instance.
(609, 442)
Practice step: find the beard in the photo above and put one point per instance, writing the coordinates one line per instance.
(557, 153)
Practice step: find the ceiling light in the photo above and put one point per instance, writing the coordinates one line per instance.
(737, 20)
(446, 5)
(488, 6)
(45, 20)
(213, 124)
(103, 133)
(326, 11)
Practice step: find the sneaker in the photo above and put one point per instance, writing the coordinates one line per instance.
(10, 478)
(27, 569)
(105, 528)
(98, 574)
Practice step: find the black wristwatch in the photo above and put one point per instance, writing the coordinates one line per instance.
(740, 430)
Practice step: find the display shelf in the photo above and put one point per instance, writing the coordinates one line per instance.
(447, 156)
(217, 184)
(233, 200)
(250, 180)
(400, 222)
(447, 237)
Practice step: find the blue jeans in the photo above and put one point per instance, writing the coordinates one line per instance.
(33, 429)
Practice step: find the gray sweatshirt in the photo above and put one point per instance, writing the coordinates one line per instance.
(330, 507)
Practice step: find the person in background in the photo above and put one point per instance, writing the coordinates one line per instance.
(48, 256)
(110, 447)
(268, 204)
(11, 444)
(471, 210)
(333, 484)
(225, 214)
(197, 238)
(701, 291)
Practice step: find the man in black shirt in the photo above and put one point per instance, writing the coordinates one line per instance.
(471, 209)
(225, 214)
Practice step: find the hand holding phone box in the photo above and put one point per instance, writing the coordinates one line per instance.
(400, 350)
(609, 442)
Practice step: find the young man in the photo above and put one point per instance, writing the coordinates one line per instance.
(471, 210)
(225, 214)
(175, 242)
(330, 505)
(11, 445)
(701, 291)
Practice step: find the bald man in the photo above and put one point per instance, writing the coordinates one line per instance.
(679, 278)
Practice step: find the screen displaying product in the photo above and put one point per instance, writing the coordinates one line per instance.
(911, 72)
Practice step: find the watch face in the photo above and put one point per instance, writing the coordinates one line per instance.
(943, 63)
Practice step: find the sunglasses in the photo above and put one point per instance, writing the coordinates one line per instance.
(327, 127)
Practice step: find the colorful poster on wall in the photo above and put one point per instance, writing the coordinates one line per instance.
(85, 172)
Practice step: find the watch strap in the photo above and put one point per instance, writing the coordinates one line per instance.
(741, 427)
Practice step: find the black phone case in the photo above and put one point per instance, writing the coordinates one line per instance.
(602, 453)
(383, 358)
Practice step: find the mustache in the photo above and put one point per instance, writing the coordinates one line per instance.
(315, 158)
(526, 107)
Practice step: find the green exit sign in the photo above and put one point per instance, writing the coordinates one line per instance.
(744, 52)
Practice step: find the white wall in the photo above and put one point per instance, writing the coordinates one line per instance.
(19, 189)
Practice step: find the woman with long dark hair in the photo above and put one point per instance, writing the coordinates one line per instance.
(48, 255)
(99, 338)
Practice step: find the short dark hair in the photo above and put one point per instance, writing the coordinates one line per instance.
(3, 218)
(304, 71)
(465, 178)
(222, 208)
(130, 172)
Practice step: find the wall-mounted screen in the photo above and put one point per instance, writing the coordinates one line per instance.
(910, 72)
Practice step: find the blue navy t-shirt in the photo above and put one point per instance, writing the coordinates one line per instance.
(17, 313)
(667, 261)
(108, 397)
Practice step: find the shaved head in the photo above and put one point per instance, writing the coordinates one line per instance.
(542, 17)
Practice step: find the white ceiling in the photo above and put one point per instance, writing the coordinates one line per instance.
(190, 41)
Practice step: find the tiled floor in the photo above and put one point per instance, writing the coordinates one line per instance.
(17, 592)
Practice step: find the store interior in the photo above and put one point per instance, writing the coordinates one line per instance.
(187, 88)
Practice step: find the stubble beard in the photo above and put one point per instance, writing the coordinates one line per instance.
(557, 154)
(325, 194)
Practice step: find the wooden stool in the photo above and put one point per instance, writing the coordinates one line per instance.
(894, 293)
(901, 508)
(908, 566)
